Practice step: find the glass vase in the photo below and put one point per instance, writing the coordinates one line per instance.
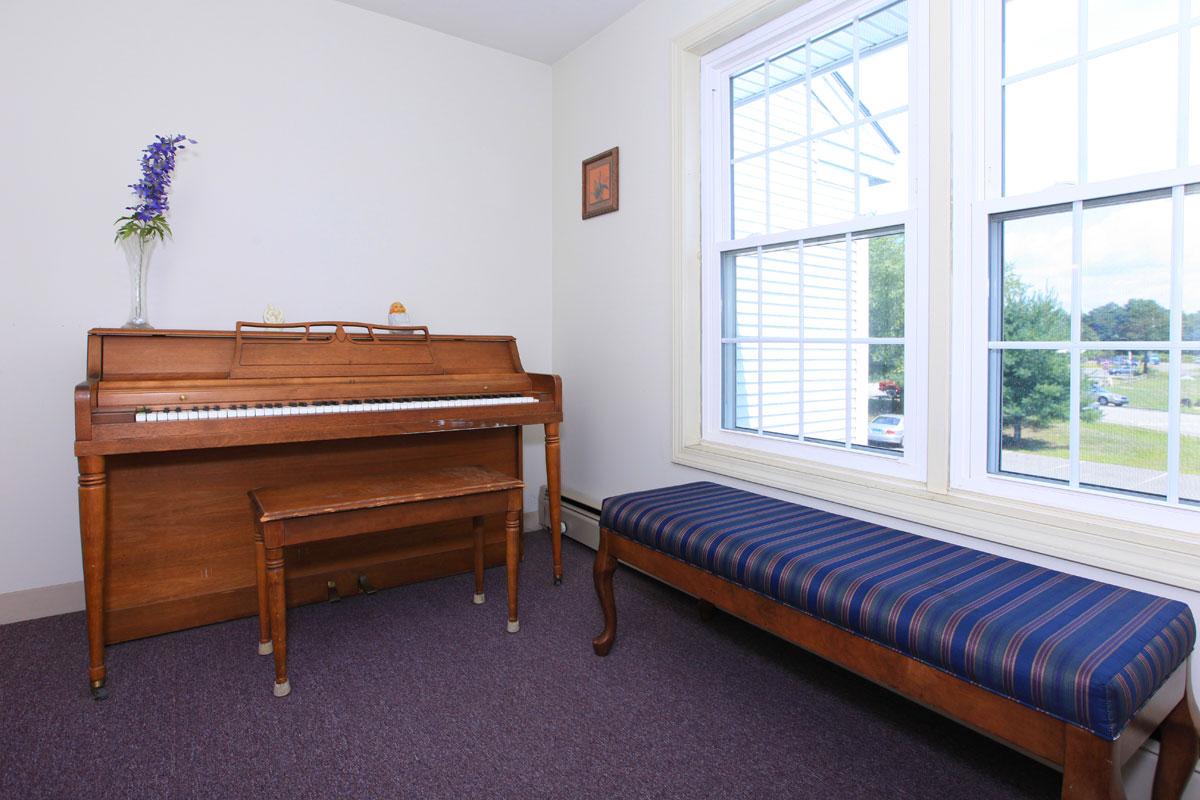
(138, 252)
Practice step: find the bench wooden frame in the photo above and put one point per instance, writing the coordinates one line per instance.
(351, 507)
(1091, 765)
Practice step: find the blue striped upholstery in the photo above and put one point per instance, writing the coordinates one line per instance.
(1085, 652)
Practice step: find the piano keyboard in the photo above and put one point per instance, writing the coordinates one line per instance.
(297, 408)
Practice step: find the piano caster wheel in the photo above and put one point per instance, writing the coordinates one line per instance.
(266, 648)
(513, 626)
(479, 599)
(99, 691)
(331, 592)
(558, 580)
(282, 689)
(365, 586)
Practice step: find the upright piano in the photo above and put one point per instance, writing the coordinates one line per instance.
(174, 427)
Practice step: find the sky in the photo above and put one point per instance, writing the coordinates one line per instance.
(1131, 113)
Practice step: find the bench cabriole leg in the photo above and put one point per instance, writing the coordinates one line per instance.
(275, 583)
(477, 535)
(1091, 770)
(602, 574)
(1178, 752)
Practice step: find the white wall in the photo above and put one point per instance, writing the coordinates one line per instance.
(612, 277)
(345, 159)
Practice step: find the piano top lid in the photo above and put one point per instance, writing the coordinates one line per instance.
(326, 349)
(193, 333)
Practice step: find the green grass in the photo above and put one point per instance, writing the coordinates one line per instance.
(1106, 443)
(1152, 389)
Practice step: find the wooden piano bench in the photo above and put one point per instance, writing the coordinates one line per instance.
(312, 512)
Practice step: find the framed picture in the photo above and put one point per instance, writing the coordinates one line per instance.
(600, 184)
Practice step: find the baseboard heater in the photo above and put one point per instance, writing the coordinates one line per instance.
(580, 521)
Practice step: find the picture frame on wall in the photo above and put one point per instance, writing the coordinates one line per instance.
(601, 183)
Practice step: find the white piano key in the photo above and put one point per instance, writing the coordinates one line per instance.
(383, 404)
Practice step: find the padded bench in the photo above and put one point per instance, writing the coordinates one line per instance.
(1072, 671)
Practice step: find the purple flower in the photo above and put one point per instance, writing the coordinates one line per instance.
(147, 217)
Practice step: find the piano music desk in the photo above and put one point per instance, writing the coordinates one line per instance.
(311, 512)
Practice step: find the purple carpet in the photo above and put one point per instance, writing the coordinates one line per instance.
(416, 693)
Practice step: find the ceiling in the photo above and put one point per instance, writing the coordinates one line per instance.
(544, 30)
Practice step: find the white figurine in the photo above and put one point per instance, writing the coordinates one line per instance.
(273, 315)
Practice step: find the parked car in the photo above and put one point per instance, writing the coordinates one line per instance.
(886, 430)
(1123, 369)
(1106, 398)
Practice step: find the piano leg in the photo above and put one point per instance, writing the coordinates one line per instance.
(93, 530)
(512, 551)
(554, 489)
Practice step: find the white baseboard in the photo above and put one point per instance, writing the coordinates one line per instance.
(44, 601)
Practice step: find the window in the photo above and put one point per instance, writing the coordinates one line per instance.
(1086, 222)
(989, 279)
(810, 210)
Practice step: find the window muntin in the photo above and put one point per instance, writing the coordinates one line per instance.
(819, 133)
(1090, 336)
(1084, 362)
(1081, 80)
(809, 241)
(813, 339)
(1062, 239)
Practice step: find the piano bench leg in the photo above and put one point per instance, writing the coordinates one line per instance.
(266, 648)
(477, 558)
(99, 690)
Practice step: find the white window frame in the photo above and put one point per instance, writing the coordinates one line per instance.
(813, 19)
(1169, 554)
(977, 31)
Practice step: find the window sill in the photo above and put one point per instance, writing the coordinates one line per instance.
(1158, 554)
